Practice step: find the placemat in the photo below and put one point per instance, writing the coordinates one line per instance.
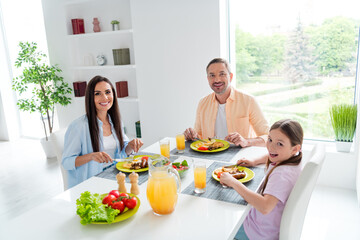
(224, 156)
(110, 172)
(214, 189)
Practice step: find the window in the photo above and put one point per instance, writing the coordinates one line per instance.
(296, 57)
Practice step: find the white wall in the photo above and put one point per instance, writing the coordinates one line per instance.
(173, 41)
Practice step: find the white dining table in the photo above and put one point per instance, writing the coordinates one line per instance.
(194, 217)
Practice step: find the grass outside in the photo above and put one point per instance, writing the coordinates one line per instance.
(307, 104)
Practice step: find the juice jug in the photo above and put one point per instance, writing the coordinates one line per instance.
(163, 186)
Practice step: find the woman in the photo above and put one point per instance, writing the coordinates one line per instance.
(95, 139)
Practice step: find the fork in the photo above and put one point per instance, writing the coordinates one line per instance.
(201, 140)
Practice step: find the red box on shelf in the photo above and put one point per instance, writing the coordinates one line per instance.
(78, 25)
(79, 88)
(122, 89)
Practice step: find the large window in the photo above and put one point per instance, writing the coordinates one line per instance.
(296, 57)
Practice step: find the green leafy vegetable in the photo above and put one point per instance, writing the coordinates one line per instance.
(184, 163)
(91, 209)
(177, 164)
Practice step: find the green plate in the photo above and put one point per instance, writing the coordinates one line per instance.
(124, 215)
(249, 174)
(193, 146)
(120, 167)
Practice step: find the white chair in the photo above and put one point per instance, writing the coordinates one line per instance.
(296, 206)
(58, 139)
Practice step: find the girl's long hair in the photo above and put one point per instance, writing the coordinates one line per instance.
(91, 113)
(293, 130)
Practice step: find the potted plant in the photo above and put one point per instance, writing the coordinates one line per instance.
(47, 88)
(115, 25)
(343, 120)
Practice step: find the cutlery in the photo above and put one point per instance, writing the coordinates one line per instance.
(231, 166)
(201, 140)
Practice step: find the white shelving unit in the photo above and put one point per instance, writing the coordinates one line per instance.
(84, 48)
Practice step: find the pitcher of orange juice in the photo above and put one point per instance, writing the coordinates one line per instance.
(163, 186)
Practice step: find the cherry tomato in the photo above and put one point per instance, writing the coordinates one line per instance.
(145, 157)
(131, 202)
(119, 206)
(174, 166)
(115, 193)
(202, 148)
(219, 174)
(109, 199)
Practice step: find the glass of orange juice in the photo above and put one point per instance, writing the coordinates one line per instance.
(165, 147)
(180, 143)
(200, 177)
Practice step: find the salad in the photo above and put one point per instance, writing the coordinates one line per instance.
(181, 167)
(99, 208)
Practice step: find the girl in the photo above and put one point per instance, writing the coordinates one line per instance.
(95, 139)
(283, 168)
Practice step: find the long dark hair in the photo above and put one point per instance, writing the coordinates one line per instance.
(293, 130)
(91, 113)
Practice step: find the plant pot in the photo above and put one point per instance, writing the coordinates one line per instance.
(48, 147)
(343, 146)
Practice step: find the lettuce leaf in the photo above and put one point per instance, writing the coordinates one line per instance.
(90, 209)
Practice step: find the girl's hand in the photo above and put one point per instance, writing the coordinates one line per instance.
(245, 162)
(134, 145)
(101, 157)
(227, 180)
(237, 139)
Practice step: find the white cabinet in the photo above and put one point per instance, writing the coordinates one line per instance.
(82, 49)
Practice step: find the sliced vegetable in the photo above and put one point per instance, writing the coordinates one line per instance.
(202, 148)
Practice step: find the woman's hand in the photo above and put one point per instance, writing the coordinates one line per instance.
(228, 180)
(133, 145)
(237, 139)
(101, 157)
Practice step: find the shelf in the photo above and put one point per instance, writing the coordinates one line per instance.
(99, 34)
(73, 2)
(130, 66)
(128, 99)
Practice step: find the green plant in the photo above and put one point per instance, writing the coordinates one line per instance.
(42, 81)
(343, 119)
(115, 22)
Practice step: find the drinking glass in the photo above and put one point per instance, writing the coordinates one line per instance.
(180, 143)
(200, 177)
(165, 147)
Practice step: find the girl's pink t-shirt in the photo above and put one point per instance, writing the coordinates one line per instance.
(281, 182)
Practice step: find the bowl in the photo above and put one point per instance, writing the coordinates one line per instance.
(182, 168)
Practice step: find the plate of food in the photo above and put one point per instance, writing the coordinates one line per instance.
(106, 208)
(213, 145)
(138, 164)
(243, 174)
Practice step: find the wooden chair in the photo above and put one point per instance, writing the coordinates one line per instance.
(58, 138)
(292, 220)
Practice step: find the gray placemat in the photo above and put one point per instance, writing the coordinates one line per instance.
(110, 171)
(224, 156)
(214, 189)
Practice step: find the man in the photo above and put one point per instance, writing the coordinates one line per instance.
(228, 113)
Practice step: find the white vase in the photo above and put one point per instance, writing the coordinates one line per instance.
(343, 146)
(48, 147)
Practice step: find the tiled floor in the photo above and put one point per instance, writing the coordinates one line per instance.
(29, 179)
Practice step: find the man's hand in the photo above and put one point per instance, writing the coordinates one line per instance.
(190, 134)
(237, 139)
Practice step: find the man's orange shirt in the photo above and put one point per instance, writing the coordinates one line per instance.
(243, 115)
